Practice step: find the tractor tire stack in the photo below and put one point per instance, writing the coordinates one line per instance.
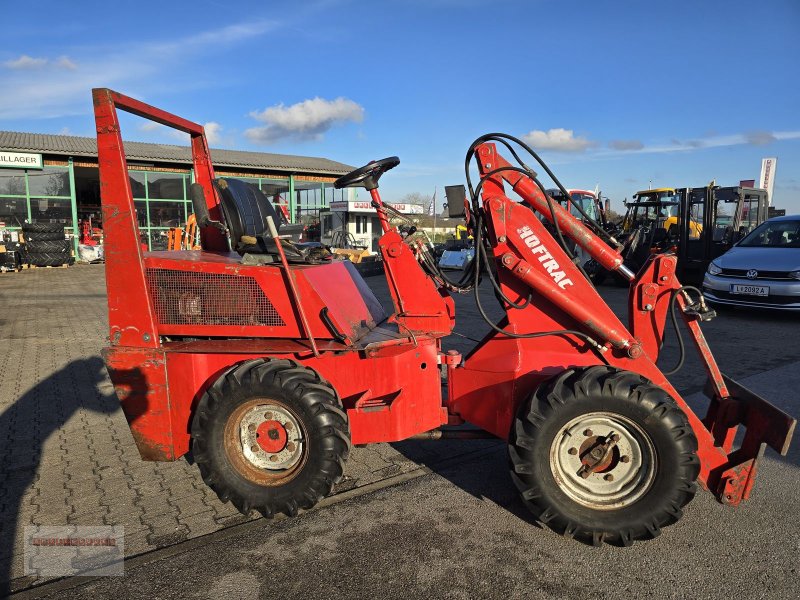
(45, 245)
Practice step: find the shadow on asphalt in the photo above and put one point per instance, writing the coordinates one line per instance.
(478, 467)
(26, 426)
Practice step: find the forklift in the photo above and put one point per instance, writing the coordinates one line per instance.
(269, 363)
(696, 224)
(711, 220)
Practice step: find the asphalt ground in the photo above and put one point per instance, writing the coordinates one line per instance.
(451, 525)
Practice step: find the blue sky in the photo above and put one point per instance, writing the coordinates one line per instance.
(618, 94)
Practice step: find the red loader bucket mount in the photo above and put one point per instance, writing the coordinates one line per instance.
(269, 363)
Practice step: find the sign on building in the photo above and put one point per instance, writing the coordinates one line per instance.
(360, 206)
(20, 160)
(767, 180)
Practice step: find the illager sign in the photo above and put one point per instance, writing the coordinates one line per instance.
(20, 160)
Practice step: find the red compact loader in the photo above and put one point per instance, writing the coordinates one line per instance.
(268, 360)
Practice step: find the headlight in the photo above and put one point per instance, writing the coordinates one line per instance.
(794, 274)
(714, 269)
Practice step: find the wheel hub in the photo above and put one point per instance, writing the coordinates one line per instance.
(603, 460)
(271, 437)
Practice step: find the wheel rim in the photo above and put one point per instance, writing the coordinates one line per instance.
(266, 441)
(598, 471)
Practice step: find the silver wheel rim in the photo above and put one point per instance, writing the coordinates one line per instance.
(279, 457)
(626, 472)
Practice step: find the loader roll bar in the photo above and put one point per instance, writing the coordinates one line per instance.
(132, 323)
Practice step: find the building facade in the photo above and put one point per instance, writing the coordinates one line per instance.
(55, 178)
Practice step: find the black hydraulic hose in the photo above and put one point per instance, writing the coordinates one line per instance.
(678, 335)
(501, 138)
(560, 238)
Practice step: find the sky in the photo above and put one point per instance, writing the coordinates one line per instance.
(621, 94)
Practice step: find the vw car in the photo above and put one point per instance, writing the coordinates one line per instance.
(762, 270)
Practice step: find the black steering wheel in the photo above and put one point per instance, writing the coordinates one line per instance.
(368, 175)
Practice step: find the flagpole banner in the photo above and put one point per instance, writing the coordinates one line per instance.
(767, 179)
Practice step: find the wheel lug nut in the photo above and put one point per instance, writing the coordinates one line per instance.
(625, 459)
(274, 458)
(588, 433)
(291, 447)
(254, 448)
(268, 415)
(251, 427)
(615, 438)
(288, 426)
(573, 451)
(609, 477)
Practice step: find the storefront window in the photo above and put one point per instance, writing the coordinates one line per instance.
(141, 212)
(275, 187)
(12, 183)
(51, 181)
(166, 186)
(167, 214)
(43, 196)
(138, 181)
(51, 210)
(13, 211)
(161, 203)
(309, 200)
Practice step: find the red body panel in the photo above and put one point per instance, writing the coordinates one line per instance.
(387, 390)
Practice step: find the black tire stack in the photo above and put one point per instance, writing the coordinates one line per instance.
(45, 245)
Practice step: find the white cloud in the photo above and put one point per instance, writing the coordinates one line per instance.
(212, 128)
(137, 68)
(558, 139)
(753, 138)
(760, 138)
(65, 62)
(213, 132)
(626, 144)
(150, 126)
(25, 62)
(308, 119)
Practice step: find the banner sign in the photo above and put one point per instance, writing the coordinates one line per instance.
(360, 206)
(20, 160)
(767, 180)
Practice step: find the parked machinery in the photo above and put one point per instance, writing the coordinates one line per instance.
(696, 224)
(270, 371)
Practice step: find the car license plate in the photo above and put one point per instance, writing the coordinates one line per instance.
(750, 290)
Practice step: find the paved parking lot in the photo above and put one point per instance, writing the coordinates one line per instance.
(68, 457)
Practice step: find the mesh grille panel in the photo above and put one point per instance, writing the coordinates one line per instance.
(195, 298)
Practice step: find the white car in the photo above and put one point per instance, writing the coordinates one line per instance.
(762, 270)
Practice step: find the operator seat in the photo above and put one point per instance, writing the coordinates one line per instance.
(245, 209)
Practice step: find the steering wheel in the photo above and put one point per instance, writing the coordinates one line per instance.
(368, 175)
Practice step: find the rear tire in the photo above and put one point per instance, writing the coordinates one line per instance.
(43, 228)
(643, 482)
(44, 236)
(271, 436)
(47, 259)
(61, 246)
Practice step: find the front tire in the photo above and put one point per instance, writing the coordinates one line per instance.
(271, 436)
(603, 455)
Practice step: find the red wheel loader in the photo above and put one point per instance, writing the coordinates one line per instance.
(269, 361)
